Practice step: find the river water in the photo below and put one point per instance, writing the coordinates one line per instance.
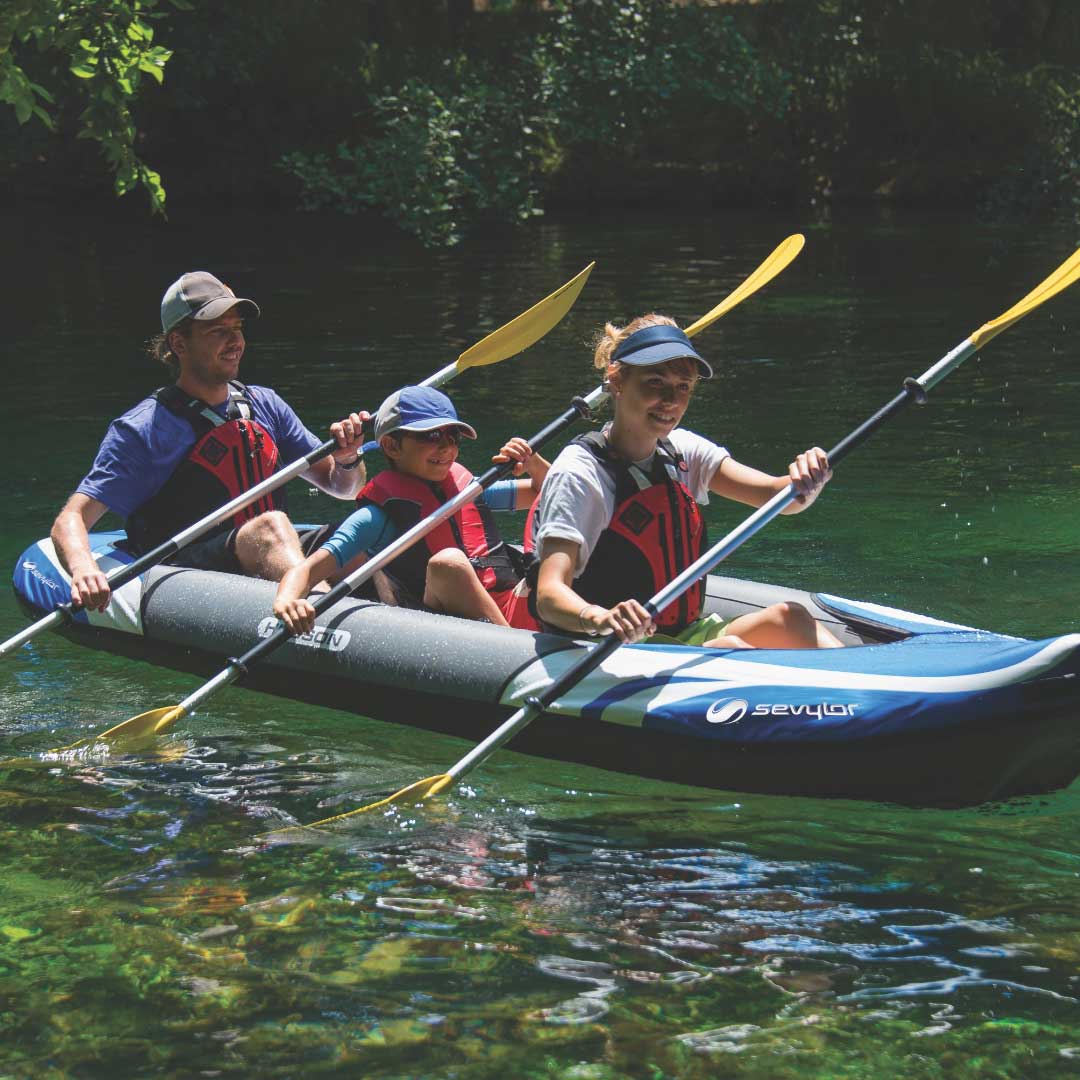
(547, 920)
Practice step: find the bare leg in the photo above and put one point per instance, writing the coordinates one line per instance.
(782, 626)
(268, 547)
(727, 641)
(454, 588)
(384, 590)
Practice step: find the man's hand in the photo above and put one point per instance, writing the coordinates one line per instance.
(70, 537)
(90, 588)
(349, 434)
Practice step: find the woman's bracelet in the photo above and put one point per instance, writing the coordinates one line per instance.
(590, 630)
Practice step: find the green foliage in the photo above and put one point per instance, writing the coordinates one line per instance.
(439, 160)
(440, 119)
(478, 140)
(97, 53)
(1043, 174)
(907, 105)
(614, 71)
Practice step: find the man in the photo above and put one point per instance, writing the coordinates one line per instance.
(191, 447)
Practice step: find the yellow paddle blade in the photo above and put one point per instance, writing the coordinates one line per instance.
(1064, 276)
(145, 724)
(528, 328)
(781, 256)
(417, 792)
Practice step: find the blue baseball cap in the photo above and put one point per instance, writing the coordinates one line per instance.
(656, 345)
(418, 408)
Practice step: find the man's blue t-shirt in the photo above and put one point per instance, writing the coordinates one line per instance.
(370, 529)
(146, 445)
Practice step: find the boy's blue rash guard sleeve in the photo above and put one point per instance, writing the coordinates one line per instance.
(367, 529)
(370, 529)
(502, 495)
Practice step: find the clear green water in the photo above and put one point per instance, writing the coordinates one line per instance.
(548, 920)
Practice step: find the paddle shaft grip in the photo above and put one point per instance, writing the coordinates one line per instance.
(912, 392)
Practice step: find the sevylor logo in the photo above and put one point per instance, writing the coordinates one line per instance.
(732, 710)
(729, 711)
(34, 572)
(322, 637)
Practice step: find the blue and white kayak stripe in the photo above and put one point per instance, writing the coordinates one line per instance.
(770, 694)
(40, 577)
(882, 615)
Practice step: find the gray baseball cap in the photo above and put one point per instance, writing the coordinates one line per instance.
(200, 295)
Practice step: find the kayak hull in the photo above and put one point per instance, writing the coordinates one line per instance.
(924, 713)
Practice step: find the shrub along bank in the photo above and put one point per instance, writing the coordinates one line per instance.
(439, 117)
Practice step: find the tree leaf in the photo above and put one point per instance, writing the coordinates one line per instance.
(152, 68)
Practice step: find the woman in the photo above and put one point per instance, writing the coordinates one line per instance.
(618, 515)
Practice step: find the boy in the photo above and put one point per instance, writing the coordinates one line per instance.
(461, 567)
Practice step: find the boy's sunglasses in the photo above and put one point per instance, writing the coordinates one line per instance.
(436, 435)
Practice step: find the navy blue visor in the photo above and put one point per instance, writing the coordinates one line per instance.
(657, 345)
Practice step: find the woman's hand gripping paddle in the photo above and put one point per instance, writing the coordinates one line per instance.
(509, 340)
(914, 390)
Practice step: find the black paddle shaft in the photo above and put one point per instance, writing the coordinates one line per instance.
(913, 392)
(578, 410)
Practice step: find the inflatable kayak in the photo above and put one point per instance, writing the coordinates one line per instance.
(922, 711)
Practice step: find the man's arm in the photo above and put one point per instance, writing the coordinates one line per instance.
(70, 537)
(342, 474)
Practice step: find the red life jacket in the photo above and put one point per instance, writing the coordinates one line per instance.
(230, 456)
(655, 532)
(407, 499)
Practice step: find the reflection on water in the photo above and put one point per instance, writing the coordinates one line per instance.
(634, 926)
(550, 920)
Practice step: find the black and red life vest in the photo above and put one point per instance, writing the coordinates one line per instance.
(406, 499)
(655, 532)
(230, 456)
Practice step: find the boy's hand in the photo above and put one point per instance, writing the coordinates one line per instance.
(516, 450)
(298, 615)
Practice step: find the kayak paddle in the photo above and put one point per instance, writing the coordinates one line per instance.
(509, 340)
(913, 390)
